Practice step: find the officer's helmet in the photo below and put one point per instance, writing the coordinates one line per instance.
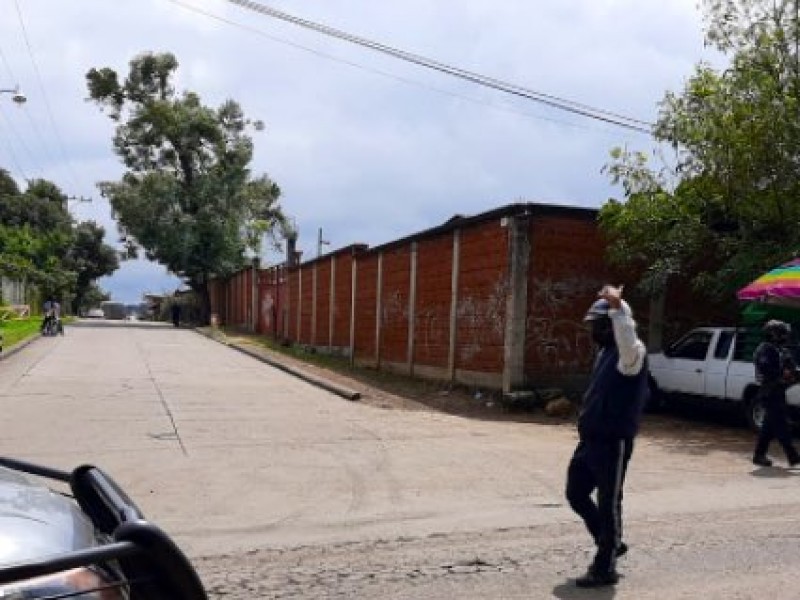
(777, 330)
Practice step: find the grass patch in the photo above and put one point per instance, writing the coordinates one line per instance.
(17, 330)
(396, 383)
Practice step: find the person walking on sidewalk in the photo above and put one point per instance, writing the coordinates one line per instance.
(607, 425)
(775, 371)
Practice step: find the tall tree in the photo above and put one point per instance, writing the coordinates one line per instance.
(188, 198)
(89, 258)
(35, 235)
(735, 188)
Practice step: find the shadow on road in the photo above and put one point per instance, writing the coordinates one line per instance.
(773, 473)
(568, 591)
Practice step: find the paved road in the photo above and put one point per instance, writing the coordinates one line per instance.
(280, 489)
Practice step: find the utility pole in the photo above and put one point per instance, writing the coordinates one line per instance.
(321, 242)
(69, 199)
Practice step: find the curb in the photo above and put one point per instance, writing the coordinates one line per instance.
(329, 386)
(11, 351)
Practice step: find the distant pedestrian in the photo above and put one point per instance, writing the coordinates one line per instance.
(607, 425)
(47, 311)
(176, 314)
(775, 371)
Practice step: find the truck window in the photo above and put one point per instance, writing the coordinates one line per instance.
(723, 345)
(692, 347)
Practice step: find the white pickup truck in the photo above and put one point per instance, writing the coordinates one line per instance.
(715, 364)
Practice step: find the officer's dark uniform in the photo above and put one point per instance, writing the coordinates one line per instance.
(771, 361)
(608, 422)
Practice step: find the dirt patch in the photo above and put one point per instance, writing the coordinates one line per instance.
(397, 392)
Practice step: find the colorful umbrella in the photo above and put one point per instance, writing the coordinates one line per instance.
(779, 286)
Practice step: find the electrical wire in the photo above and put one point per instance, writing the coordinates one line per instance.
(7, 66)
(386, 74)
(28, 114)
(510, 88)
(14, 160)
(20, 140)
(48, 108)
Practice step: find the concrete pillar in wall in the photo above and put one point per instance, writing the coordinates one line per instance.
(332, 306)
(412, 305)
(353, 286)
(451, 355)
(516, 304)
(378, 310)
(655, 333)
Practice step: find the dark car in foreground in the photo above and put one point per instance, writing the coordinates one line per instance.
(87, 540)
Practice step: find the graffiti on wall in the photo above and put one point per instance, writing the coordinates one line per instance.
(432, 327)
(554, 340)
(395, 308)
(482, 321)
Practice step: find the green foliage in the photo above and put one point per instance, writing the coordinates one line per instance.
(90, 259)
(40, 243)
(729, 210)
(188, 198)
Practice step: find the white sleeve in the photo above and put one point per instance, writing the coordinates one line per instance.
(631, 349)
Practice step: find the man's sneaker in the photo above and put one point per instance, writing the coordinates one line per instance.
(593, 579)
(622, 549)
(762, 461)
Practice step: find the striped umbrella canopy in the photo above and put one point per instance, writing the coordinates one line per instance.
(778, 286)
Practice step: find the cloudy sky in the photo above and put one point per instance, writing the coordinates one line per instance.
(364, 146)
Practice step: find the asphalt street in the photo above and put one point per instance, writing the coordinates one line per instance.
(278, 488)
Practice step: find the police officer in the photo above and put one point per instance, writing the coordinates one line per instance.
(607, 425)
(775, 371)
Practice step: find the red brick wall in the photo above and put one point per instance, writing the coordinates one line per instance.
(394, 304)
(482, 288)
(365, 307)
(294, 304)
(566, 270)
(322, 335)
(432, 313)
(567, 267)
(342, 302)
(306, 304)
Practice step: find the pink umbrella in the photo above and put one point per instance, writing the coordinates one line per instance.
(778, 286)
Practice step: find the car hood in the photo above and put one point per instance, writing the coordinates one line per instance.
(36, 522)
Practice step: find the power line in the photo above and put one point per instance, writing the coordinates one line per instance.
(11, 153)
(7, 66)
(386, 74)
(32, 121)
(45, 96)
(510, 88)
(20, 140)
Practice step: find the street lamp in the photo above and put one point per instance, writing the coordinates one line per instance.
(17, 97)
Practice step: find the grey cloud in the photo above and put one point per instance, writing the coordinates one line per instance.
(367, 157)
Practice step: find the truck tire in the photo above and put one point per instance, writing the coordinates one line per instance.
(754, 410)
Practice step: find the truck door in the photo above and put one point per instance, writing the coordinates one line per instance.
(717, 364)
(687, 363)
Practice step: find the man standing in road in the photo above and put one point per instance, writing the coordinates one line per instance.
(607, 425)
(775, 371)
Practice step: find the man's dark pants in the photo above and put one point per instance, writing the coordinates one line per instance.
(600, 464)
(775, 425)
